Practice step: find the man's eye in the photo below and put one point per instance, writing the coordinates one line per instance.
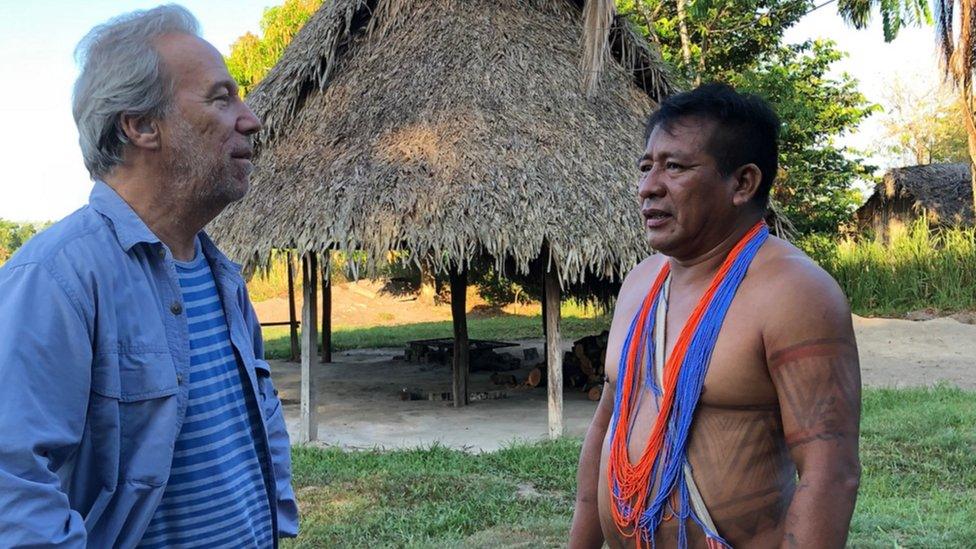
(673, 166)
(644, 168)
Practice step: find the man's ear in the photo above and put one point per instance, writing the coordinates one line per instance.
(747, 181)
(141, 131)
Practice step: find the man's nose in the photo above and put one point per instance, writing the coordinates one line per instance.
(247, 122)
(649, 185)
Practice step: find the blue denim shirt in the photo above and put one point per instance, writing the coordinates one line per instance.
(94, 358)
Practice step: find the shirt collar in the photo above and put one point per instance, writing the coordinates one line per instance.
(215, 255)
(129, 228)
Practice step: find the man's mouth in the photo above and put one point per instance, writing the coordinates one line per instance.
(654, 218)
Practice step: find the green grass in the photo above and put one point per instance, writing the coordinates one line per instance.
(918, 486)
(434, 497)
(502, 327)
(918, 454)
(918, 269)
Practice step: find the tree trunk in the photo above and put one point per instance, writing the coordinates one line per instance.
(683, 32)
(460, 364)
(969, 102)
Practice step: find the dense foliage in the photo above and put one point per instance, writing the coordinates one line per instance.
(252, 56)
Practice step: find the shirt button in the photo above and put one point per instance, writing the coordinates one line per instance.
(176, 308)
(162, 253)
(179, 378)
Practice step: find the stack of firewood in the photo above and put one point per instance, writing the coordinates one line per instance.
(583, 368)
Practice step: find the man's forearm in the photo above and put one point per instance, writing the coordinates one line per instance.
(586, 531)
(820, 513)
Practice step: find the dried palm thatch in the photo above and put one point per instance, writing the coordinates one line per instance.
(941, 192)
(453, 129)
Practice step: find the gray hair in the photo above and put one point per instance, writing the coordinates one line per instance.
(121, 73)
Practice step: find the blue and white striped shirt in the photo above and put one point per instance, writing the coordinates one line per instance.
(217, 494)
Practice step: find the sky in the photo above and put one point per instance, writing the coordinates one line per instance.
(45, 179)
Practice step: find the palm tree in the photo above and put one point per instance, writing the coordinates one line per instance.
(895, 14)
(958, 51)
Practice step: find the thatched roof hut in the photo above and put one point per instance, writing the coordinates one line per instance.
(505, 130)
(450, 128)
(942, 193)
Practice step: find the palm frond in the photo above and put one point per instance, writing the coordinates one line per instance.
(597, 20)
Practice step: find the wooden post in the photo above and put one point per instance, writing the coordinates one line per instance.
(309, 422)
(554, 355)
(460, 363)
(326, 306)
(545, 327)
(292, 317)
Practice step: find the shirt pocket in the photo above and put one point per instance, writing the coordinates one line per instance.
(270, 405)
(135, 410)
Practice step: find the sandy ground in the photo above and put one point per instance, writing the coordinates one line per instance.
(360, 406)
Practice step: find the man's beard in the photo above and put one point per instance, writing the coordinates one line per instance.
(200, 175)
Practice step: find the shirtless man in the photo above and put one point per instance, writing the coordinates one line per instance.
(773, 445)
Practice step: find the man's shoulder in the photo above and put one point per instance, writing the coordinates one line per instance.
(782, 271)
(796, 296)
(63, 237)
(643, 273)
(64, 251)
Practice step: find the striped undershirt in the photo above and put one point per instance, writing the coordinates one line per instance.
(217, 494)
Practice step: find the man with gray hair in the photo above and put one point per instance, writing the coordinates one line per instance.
(135, 406)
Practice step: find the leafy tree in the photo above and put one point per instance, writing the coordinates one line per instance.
(923, 126)
(721, 35)
(12, 236)
(814, 186)
(740, 42)
(251, 57)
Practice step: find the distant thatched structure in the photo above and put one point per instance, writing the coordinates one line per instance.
(942, 193)
(452, 128)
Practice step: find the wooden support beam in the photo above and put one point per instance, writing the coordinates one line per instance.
(309, 421)
(545, 334)
(461, 362)
(292, 316)
(326, 306)
(554, 355)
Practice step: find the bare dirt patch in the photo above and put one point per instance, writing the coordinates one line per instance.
(905, 353)
(359, 406)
